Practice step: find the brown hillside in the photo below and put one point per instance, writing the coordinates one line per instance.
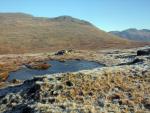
(21, 33)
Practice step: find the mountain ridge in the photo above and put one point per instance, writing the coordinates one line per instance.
(134, 34)
(22, 33)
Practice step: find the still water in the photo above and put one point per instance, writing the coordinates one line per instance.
(56, 67)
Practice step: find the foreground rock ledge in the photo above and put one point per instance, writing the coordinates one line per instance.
(112, 90)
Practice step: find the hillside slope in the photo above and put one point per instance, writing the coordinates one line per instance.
(20, 33)
(134, 34)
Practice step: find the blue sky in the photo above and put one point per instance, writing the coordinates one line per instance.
(105, 14)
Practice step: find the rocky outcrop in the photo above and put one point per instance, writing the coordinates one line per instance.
(134, 61)
(143, 52)
(62, 52)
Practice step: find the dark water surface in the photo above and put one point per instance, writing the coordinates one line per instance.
(56, 67)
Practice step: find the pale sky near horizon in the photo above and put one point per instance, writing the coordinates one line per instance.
(106, 14)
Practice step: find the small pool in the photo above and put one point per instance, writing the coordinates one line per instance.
(56, 67)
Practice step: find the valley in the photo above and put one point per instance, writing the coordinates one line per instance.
(68, 65)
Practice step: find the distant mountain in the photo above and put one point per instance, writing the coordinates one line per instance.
(20, 33)
(134, 34)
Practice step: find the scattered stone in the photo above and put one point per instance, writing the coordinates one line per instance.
(51, 100)
(101, 101)
(143, 52)
(115, 98)
(78, 59)
(5, 101)
(59, 87)
(62, 107)
(33, 90)
(69, 83)
(137, 60)
(62, 52)
(27, 109)
(62, 60)
(146, 103)
(15, 81)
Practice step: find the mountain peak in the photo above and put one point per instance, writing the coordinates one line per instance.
(64, 18)
(67, 18)
(131, 29)
(145, 30)
(134, 34)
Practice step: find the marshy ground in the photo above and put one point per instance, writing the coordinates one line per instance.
(123, 86)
